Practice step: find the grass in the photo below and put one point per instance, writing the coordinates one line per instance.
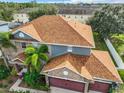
(118, 42)
(99, 42)
(121, 72)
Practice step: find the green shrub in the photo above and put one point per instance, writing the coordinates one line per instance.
(121, 72)
(4, 72)
(3, 85)
(33, 80)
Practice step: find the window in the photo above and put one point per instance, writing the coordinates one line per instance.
(35, 44)
(23, 45)
(69, 49)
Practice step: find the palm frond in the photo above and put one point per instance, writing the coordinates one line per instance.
(34, 59)
(29, 50)
(27, 60)
(43, 48)
(43, 56)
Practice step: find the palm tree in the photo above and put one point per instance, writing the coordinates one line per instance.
(5, 43)
(36, 57)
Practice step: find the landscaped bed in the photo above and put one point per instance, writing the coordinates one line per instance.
(118, 42)
(8, 82)
(39, 83)
(6, 79)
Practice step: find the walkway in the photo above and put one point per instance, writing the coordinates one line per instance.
(115, 55)
(16, 87)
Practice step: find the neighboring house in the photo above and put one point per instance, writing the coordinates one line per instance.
(81, 14)
(20, 17)
(73, 66)
(4, 26)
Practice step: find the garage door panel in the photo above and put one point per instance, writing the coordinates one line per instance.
(66, 84)
(98, 86)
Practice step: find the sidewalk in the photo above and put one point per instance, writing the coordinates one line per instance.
(115, 55)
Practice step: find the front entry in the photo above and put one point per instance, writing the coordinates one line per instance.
(66, 85)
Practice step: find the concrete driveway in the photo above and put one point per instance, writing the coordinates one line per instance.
(60, 90)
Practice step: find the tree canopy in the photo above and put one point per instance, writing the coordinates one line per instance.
(43, 10)
(6, 14)
(108, 20)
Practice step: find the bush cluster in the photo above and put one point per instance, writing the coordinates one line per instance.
(34, 80)
(4, 72)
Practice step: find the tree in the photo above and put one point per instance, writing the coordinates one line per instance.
(108, 21)
(35, 57)
(43, 10)
(5, 43)
(6, 14)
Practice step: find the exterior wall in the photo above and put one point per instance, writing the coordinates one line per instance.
(22, 17)
(66, 84)
(58, 50)
(101, 87)
(71, 75)
(81, 51)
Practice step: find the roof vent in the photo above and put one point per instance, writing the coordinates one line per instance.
(65, 73)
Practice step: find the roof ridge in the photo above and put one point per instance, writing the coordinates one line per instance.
(32, 22)
(78, 31)
(74, 29)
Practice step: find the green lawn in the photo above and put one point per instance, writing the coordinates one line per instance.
(99, 42)
(118, 42)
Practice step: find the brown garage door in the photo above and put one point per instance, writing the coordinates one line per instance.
(101, 87)
(75, 86)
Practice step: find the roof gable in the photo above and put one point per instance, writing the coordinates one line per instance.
(60, 74)
(29, 31)
(21, 35)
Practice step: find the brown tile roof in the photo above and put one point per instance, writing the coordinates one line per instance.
(58, 30)
(98, 64)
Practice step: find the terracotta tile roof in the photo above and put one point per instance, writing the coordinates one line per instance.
(98, 64)
(58, 30)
